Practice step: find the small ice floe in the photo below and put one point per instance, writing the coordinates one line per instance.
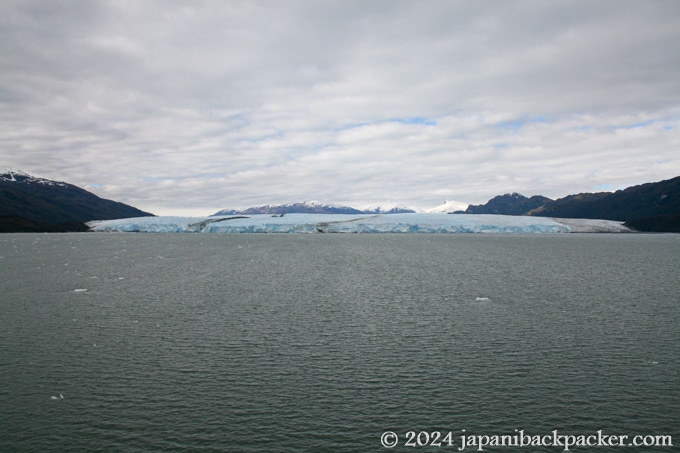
(79, 290)
(653, 362)
(121, 278)
(481, 298)
(60, 397)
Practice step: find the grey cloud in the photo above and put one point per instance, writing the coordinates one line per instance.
(206, 105)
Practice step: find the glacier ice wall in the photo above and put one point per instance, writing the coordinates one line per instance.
(347, 223)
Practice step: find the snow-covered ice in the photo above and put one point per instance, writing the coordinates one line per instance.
(349, 223)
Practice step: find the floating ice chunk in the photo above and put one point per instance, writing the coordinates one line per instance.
(481, 298)
(60, 397)
(79, 290)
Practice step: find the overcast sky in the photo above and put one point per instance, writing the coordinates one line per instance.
(188, 107)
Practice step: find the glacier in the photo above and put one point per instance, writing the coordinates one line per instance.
(352, 223)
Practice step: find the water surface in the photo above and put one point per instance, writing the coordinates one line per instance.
(187, 342)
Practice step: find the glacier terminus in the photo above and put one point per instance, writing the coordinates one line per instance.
(347, 223)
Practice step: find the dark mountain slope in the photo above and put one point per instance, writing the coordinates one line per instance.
(656, 224)
(15, 224)
(41, 201)
(637, 202)
(647, 207)
(571, 206)
(508, 204)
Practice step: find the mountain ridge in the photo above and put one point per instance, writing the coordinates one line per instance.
(508, 204)
(32, 203)
(651, 206)
(312, 207)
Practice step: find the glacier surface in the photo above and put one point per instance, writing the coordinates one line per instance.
(349, 223)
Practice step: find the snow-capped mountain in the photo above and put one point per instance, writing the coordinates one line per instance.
(8, 174)
(314, 207)
(389, 208)
(306, 207)
(29, 202)
(448, 207)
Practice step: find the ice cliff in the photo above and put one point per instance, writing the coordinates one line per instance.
(346, 223)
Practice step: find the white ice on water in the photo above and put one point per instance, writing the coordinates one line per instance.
(347, 223)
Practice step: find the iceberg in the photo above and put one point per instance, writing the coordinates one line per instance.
(352, 223)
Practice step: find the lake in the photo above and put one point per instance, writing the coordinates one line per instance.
(310, 342)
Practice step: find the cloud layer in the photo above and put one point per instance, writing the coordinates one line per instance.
(190, 107)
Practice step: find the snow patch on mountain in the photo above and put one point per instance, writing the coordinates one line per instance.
(448, 207)
(388, 208)
(19, 176)
(306, 207)
(316, 207)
